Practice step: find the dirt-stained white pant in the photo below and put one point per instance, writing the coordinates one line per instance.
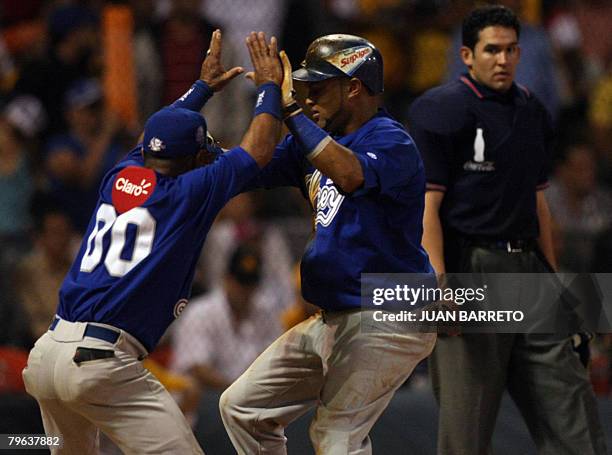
(115, 395)
(330, 361)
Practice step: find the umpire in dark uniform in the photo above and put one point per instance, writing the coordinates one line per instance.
(486, 144)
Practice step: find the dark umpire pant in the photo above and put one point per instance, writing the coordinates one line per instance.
(542, 373)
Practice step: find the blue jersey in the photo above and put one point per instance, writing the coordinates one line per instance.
(135, 267)
(376, 229)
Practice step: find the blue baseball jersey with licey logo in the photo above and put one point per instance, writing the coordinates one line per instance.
(376, 229)
(135, 267)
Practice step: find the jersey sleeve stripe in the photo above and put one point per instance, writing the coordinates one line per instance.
(435, 187)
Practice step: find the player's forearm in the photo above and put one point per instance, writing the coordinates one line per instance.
(341, 165)
(261, 138)
(195, 98)
(433, 239)
(264, 132)
(545, 240)
(332, 159)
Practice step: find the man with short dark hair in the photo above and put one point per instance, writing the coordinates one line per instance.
(366, 183)
(132, 275)
(486, 145)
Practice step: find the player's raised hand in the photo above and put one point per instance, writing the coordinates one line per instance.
(266, 64)
(287, 85)
(212, 71)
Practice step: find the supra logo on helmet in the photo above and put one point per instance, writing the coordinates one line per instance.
(156, 145)
(350, 59)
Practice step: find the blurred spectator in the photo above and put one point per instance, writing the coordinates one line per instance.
(582, 209)
(237, 18)
(220, 334)
(39, 275)
(236, 225)
(265, 15)
(183, 38)
(594, 18)
(14, 11)
(12, 363)
(20, 121)
(536, 70)
(383, 23)
(78, 159)
(566, 39)
(600, 122)
(310, 19)
(146, 58)
(14, 327)
(70, 56)
(8, 71)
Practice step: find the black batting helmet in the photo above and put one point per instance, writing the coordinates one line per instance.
(343, 55)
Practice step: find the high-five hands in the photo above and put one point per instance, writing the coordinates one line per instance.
(267, 67)
(212, 71)
(287, 86)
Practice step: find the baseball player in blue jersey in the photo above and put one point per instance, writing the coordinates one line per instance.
(133, 273)
(366, 183)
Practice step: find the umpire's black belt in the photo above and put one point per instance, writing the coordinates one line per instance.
(94, 331)
(511, 246)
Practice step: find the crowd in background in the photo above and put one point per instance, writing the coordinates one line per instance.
(59, 135)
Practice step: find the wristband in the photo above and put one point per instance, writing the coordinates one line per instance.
(291, 110)
(268, 100)
(196, 97)
(308, 134)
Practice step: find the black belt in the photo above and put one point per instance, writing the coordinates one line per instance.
(94, 331)
(511, 246)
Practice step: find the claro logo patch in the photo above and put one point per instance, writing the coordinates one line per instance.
(132, 187)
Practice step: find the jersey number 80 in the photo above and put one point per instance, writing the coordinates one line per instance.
(108, 219)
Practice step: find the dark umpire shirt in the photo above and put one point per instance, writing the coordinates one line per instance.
(489, 152)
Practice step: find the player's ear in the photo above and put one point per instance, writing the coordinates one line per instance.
(355, 87)
(467, 55)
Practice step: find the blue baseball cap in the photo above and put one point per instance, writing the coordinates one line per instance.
(174, 132)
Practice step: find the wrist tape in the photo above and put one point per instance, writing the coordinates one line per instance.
(291, 110)
(308, 134)
(196, 97)
(269, 100)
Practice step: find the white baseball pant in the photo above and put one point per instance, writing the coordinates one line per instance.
(116, 395)
(328, 361)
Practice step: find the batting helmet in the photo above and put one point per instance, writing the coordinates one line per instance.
(343, 55)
